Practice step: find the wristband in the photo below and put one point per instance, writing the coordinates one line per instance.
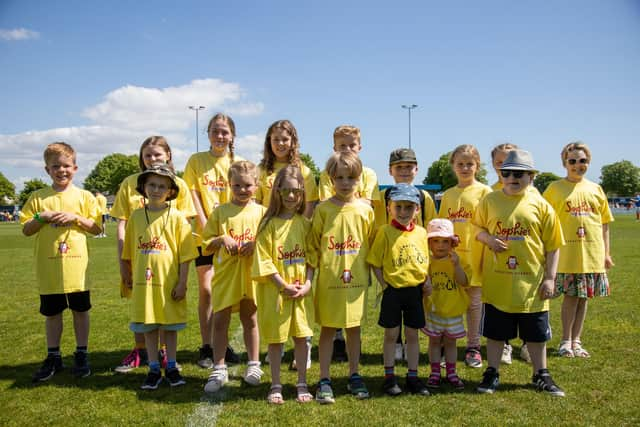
(37, 218)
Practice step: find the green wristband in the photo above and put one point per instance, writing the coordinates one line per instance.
(37, 218)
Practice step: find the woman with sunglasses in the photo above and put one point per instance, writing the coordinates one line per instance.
(584, 215)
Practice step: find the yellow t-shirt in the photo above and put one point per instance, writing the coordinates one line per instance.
(232, 279)
(428, 214)
(102, 204)
(61, 252)
(458, 205)
(157, 242)
(338, 246)
(265, 184)
(128, 199)
(402, 255)
(582, 209)
(281, 248)
(448, 299)
(511, 279)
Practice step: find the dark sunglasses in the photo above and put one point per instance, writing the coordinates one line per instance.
(516, 174)
(574, 161)
(284, 192)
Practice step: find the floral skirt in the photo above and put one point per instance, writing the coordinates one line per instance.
(582, 285)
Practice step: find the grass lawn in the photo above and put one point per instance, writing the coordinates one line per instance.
(599, 390)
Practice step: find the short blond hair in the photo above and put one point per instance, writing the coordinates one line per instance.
(58, 149)
(348, 159)
(575, 146)
(243, 167)
(346, 130)
(504, 148)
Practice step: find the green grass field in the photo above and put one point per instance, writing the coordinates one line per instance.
(599, 390)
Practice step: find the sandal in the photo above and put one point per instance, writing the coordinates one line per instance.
(275, 395)
(303, 393)
(565, 349)
(578, 351)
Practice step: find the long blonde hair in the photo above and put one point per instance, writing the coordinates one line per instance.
(275, 203)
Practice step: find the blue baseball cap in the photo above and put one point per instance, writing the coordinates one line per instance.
(404, 192)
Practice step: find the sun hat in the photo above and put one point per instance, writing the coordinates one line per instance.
(440, 227)
(160, 169)
(518, 160)
(402, 155)
(404, 192)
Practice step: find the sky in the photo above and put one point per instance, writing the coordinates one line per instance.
(103, 76)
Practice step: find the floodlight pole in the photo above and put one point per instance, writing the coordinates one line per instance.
(409, 108)
(197, 109)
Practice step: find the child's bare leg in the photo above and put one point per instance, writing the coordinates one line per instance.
(171, 341)
(578, 323)
(353, 348)
(205, 308)
(274, 362)
(494, 353)
(474, 313)
(435, 350)
(53, 328)
(139, 340)
(413, 348)
(325, 350)
(568, 316)
(300, 353)
(389, 346)
(450, 350)
(221, 321)
(81, 327)
(249, 320)
(151, 340)
(538, 352)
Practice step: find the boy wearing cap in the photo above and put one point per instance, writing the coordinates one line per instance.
(158, 247)
(399, 257)
(524, 234)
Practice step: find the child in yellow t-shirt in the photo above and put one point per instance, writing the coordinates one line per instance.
(206, 175)
(584, 214)
(60, 216)
(283, 294)
(448, 301)
(399, 257)
(102, 205)
(458, 205)
(158, 248)
(230, 237)
(524, 234)
(341, 231)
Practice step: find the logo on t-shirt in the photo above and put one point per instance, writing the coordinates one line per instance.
(461, 215)
(293, 256)
(246, 236)
(63, 248)
(153, 246)
(512, 262)
(347, 247)
(346, 276)
(581, 233)
(516, 232)
(580, 209)
(148, 274)
(214, 184)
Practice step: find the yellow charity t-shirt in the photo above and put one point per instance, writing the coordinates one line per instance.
(530, 227)
(102, 204)
(232, 279)
(128, 199)
(582, 208)
(156, 243)
(265, 184)
(281, 248)
(338, 246)
(458, 205)
(402, 255)
(60, 252)
(448, 298)
(428, 212)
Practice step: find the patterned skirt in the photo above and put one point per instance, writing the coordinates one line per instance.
(582, 285)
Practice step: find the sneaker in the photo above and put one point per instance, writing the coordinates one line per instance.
(324, 393)
(357, 387)
(205, 357)
(80, 367)
(339, 351)
(162, 357)
(433, 381)
(133, 360)
(231, 357)
(218, 378)
(391, 387)
(416, 386)
(524, 353)
(50, 366)
(543, 382)
(253, 374)
(174, 377)
(399, 353)
(153, 380)
(506, 354)
(473, 358)
(490, 381)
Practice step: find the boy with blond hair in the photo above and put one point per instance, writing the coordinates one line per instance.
(60, 216)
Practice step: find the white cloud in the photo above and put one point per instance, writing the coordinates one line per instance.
(250, 147)
(18, 34)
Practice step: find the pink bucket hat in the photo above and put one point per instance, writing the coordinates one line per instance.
(440, 227)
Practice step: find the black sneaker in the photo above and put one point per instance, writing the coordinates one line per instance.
(174, 377)
(231, 357)
(153, 380)
(205, 357)
(391, 386)
(50, 366)
(339, 350)
(490, 381)
(357, 387)
(80, 367)
(415, 386)
(543, 382)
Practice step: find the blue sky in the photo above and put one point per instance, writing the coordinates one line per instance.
(105, 75)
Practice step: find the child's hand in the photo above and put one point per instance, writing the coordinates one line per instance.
(427, 288)
(290, 290)
(303, 289)
(608, 262)
(496, 244)
(547, 289)
(246, 249)
(179, 292)
(59, 218)
(455, 259)
(125, 274)
(229, 244)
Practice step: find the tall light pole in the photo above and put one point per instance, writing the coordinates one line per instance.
(196, 109)
(409, 108)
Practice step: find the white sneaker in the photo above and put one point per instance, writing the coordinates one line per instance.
(218, 378)
(506, 354)
(253, 374)
(399, 352)
(524, 353)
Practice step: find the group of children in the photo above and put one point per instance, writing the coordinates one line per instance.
(284, 253)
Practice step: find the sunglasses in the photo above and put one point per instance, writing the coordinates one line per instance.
(284, 192)
(516, 174)
(574, 161)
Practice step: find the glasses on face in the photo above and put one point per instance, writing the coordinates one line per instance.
(574, 161)
(516, 174)
(284, 192)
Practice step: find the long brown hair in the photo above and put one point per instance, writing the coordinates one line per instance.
(275, 203)
(268, 158)
(161, 142)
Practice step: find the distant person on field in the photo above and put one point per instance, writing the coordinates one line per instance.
(102, 204)
(584, 213)
(636, 202)
(61, 216)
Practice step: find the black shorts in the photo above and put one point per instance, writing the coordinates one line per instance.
(53, 304)
(501, 326)
(400, 304)
(203, 259)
